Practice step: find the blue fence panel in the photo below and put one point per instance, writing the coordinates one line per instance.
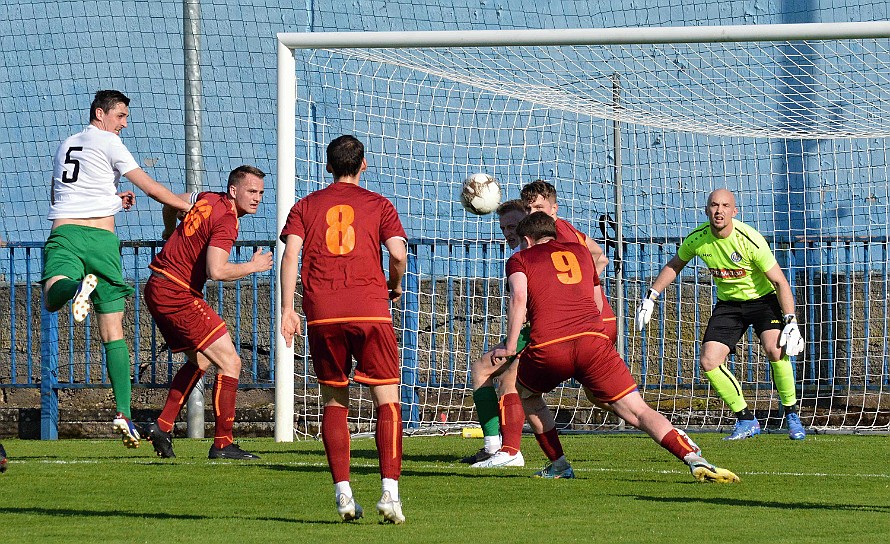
(449, 318)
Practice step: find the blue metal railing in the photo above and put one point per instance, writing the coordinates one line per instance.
(451, 312)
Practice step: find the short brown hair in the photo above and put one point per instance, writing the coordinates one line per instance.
(514, 205)
(345, 156)
(536, 226)
(537, 188)
(237, 175)
(106, 101)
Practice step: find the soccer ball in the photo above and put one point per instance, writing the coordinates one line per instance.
(480, 194)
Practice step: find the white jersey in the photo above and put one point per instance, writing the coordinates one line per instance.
(86, 171)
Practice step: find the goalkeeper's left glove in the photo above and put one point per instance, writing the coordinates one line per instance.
(791, 339)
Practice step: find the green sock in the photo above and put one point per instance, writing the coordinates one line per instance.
(117, 360)
(486, 399)
(61, 292)
(727, 387)
(783, 377)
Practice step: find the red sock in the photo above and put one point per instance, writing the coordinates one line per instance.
(335, 436)
(224, 391)
(180, 388)
(550, 443)
(388, 437)
(512, 418)
(679, 444)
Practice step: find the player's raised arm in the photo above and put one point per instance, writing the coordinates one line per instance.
(157, 191)
(171, 214)
(665, 277)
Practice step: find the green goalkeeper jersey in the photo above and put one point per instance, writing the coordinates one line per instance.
(737, 263)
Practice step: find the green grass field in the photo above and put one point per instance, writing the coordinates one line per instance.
(828, 488)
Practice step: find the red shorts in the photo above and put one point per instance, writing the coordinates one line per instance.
(186, 321)
(332, 347)
(609, 321)
(589, 358)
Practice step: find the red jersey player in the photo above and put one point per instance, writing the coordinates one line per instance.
(198, 250)
(503, 451)
(549, 284)
(346, 301)
(540, 196)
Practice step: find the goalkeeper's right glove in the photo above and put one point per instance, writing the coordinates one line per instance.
(644, 312)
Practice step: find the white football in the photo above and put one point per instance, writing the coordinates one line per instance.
(480, 194)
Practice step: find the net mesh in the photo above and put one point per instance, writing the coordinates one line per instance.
(798, 130)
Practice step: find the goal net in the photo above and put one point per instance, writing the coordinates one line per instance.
(634, 127)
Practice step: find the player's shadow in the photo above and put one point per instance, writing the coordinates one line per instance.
(85, 513)
(748, 503)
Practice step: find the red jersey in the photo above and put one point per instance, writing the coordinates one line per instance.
(343, 227)
(560, 294)
(566, 232)
(212, 221)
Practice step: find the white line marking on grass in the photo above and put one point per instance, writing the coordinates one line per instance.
(796, 474)
(443, 467)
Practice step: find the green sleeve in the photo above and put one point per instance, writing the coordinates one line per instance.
(763, 257)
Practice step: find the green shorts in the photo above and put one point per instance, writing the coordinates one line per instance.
(74, 251)
(521, 342)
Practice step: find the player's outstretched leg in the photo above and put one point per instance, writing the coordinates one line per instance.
(634, 410)
(123, 426)
(81, 305)
(704, 471)
(679, 443)
(161, 441)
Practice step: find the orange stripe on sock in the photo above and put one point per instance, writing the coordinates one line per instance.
(395, 429)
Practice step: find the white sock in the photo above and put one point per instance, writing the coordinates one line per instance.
(492, 443)
(392, 486)
(342, 488)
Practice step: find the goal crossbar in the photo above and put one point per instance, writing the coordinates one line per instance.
(586, 36)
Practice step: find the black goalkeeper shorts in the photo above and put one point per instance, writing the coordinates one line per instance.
(731, 318)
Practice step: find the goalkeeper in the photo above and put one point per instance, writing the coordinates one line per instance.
(751, 290)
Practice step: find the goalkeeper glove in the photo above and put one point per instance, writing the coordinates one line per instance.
(791, 339)
(644, 312)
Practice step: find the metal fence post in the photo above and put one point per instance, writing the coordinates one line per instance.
(411, 320)
(49, 374)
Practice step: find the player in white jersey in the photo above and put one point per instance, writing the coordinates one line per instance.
(82, 254)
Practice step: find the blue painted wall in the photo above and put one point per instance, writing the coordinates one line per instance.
(54, 55)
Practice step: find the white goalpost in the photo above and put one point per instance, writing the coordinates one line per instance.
(634, 127)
